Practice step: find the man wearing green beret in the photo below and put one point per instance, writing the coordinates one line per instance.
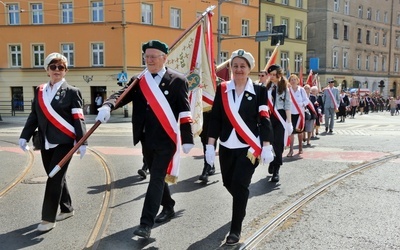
(162, 122)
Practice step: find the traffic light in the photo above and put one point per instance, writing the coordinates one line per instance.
(278, 38)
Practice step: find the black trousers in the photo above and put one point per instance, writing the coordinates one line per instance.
(56, 192)
(278, 143)
(237, 171)
(158, 191)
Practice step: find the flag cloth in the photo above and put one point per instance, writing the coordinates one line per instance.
(310, 78)
(273, 57)
(189, 56)
(288, 69)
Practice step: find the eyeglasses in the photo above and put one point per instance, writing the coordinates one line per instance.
(54, 67)
(261, 75)
(146, 57)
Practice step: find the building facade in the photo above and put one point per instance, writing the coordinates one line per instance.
(356, 43)
(102, 38)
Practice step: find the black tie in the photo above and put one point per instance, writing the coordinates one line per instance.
(274, 93)
(154, 75)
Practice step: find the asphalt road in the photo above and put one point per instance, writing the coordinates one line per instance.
(360, 212)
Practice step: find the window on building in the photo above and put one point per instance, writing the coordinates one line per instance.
(224, 25)
(175, 18)
(335, 31)
(345, 59)
(335, 59)
(13, 14)
(245, 2)
(285, 22)
(38, 55)
(375, 63)
(37, 13)
(346, 32)
(396, 64)
(285, 2)
(383, 63)
(268, 54)
(297, 62)
(367, 62)
(359, 62)
(368, 37)
(336, 6)
(384, 39)
(97, 54)
(397, 41)
(376, 38)
(67, 49)
(67, 13)
(15, 55)
(360, 11)
(369, 14)
(385, 17)
(224, 56)
(398, 19)
(284, 62)
(97, 11)
(299, 30)
(269, 22)
(299, 3)
(245, 27)
(17, 98)
(147, 13)
(378, 16)
(359, 37)
(346, 8)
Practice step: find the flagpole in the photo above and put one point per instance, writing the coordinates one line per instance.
(123, 94)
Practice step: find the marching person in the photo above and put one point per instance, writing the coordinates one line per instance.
(239, 118)
(279, 103)
(331, 105)
(161, 119)
(343, 104)
(57, 113)
(300, 100)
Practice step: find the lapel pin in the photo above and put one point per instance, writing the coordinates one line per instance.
(166, 92)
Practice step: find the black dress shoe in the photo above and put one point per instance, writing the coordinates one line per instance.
(211, 171)
(232, 239)
(142, 173)
(275, 178)
(330, 131)
(165, 215)
(143, 231)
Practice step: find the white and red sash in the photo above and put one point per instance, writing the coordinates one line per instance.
(333, 99)
(301, 121)
(274, 111)
(239, 125)
(161, 108)
(51, 115)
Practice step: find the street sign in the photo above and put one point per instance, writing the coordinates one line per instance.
(262, 36)
(123, 77)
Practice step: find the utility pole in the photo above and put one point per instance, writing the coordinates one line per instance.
(124, 67)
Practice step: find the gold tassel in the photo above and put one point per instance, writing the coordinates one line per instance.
(171, 179)
(251, 157)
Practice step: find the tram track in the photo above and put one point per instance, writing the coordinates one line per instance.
(21, 175)
(254, 240)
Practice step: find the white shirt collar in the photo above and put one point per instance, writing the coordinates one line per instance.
(249, 86)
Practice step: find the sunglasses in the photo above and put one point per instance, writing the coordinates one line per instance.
(54, 67)
(261, 75)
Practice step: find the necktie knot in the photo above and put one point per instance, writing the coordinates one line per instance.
(154, 75)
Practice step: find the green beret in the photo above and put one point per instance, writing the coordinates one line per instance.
(155, 44)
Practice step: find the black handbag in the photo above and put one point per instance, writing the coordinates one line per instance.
(36, 141)
(308, 115)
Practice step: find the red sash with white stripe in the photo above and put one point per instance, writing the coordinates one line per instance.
(161, 108)
(301, 121)
(240, 126)
(51, 115)
(274, 111)
(333, 99)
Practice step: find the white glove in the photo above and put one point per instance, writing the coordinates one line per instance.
(289, 128)
(210, 154)
(186, 148)
(267, 155)
(104, 114)
(81, 151)
(23, 145)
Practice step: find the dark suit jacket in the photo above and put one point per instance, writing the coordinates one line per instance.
(220, 126)
(175, 88)
(69, 97)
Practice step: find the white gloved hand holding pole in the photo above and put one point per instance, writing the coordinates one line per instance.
(104, 114)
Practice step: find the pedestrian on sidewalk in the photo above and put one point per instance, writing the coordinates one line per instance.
(57, 112)
(240, 119)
